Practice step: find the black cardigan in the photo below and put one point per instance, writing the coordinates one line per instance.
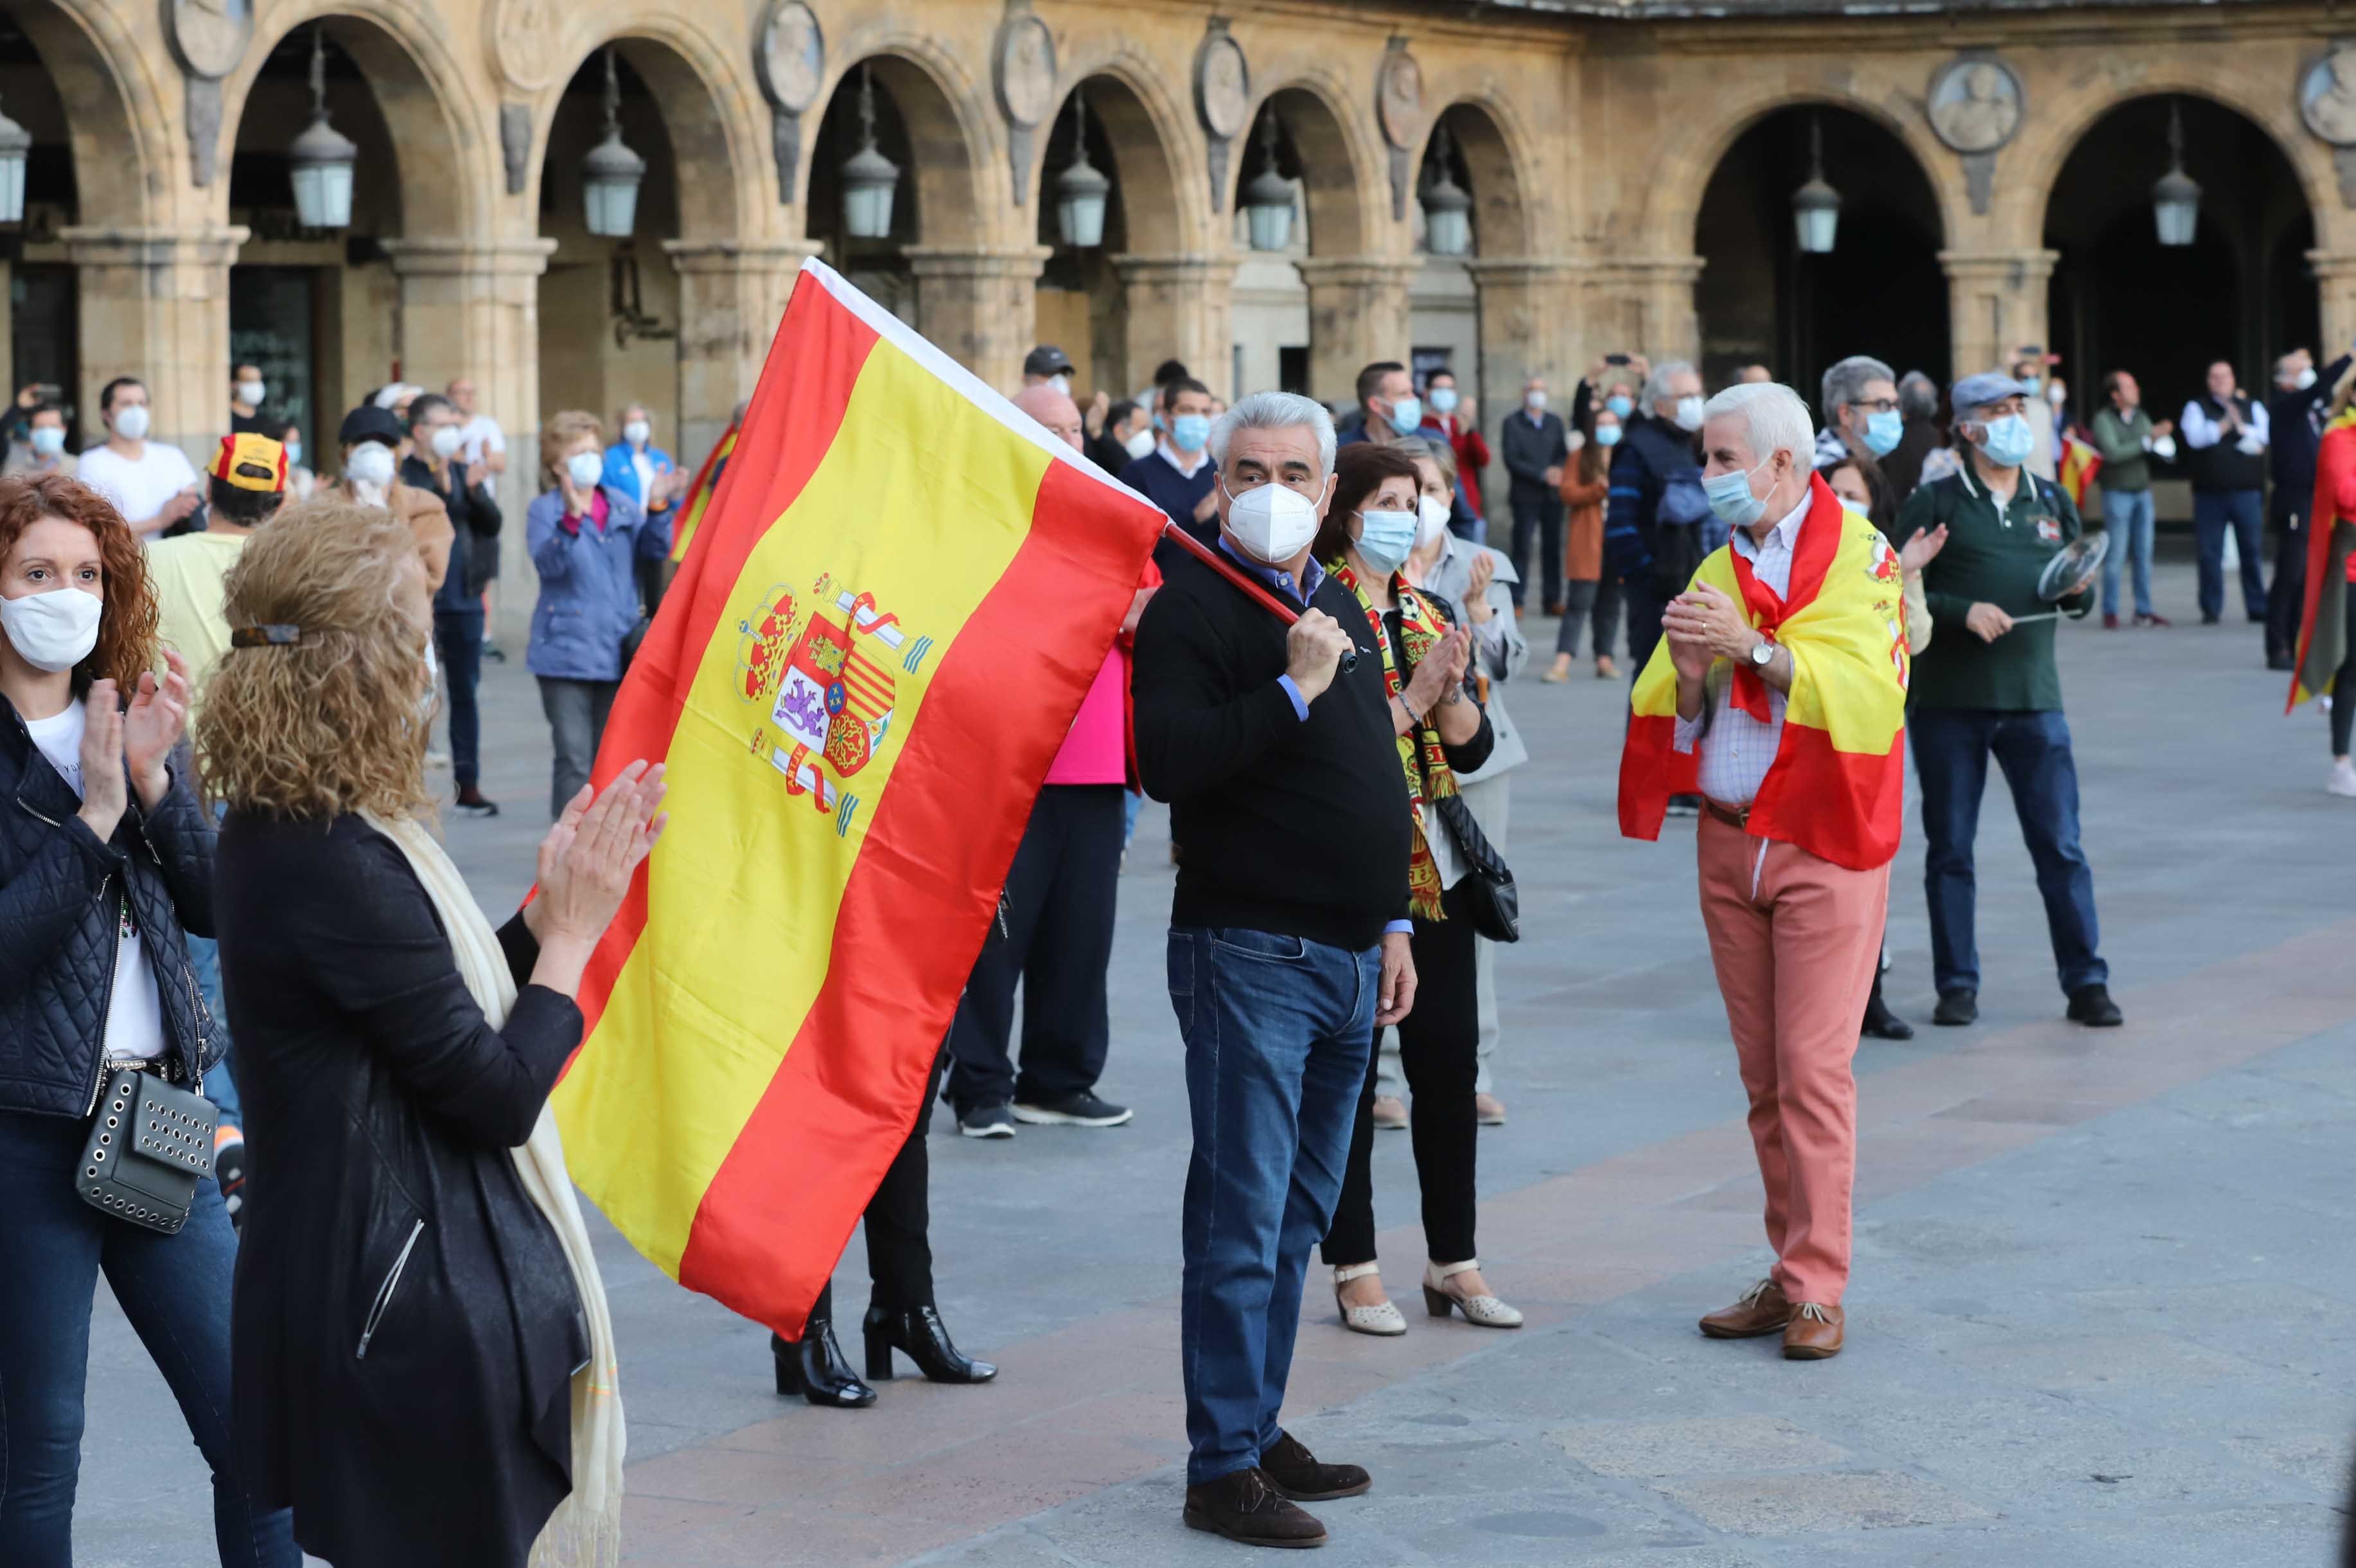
(405, 1324)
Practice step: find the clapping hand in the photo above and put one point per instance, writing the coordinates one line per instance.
(589, 857)
(1921, 549)
(158, 716)
(1477, 607)
(1441, 670)
(1708, 617)
(103, 798)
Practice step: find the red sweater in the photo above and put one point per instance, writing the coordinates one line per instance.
(1472, 454)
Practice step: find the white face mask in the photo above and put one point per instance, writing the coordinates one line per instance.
(1535, 402)
(585, 469)
(1140, 445)
(1575, 440)
(2305, 377)
(1688, 414)
(1061, 383)
(637, 433)
(1431, 516)
(1273, 523)
(250, 394)
(55, 630)
(446, 441)
(131, 424)
(371, 463)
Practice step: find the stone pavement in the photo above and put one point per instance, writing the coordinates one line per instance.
(2100, 1312)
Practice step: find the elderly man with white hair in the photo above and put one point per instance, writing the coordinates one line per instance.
(1288, 940)
(1779, 693)
(1861, 413)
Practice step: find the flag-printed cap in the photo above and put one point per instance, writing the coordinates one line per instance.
(251, 462)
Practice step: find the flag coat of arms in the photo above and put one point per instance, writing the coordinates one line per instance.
(891, 606)
(1836, 788)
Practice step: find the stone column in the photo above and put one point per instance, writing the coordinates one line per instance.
(1529, 315)
(732, 296)
(980, 306)
(2335, 283)
(1641, 304)
(1180, 308)
(1358, 313)
(154, 304)
(1995, 302)
(471, 308)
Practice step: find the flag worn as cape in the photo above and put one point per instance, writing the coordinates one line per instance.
(700, 492)
(2080, 464)
(1837, 785)
(2330, 540)
(877, 642)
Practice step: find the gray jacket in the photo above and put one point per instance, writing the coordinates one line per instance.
(1498, 645)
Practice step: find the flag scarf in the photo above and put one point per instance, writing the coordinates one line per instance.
(2330, 539)
(1425, 760)
(1838, 784)
(700, 492)
(2080, 464)
(876, 644)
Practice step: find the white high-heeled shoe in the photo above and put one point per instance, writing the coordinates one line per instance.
(1486, 1311)
(1385, 1319)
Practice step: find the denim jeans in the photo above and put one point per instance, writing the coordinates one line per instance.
(458, 640)
(2212, 512)
(1278, 1031)
(2129, 515)
(1952, 747)
(174, 1290)
(576, 714)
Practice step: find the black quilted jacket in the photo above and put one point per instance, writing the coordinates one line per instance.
(59, 928)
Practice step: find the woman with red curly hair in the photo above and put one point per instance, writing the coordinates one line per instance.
(105, 864)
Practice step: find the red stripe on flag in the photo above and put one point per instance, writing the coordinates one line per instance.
(1652, 770)
(918, 904)
(1848, 807)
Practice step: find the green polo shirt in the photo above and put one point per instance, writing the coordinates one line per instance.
(1995, 558)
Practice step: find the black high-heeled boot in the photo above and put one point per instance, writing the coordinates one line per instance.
(918, 1334)
(1881, 1023)
(814, 1366)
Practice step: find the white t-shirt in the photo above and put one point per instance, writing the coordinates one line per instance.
(137, 490)
(479, 437)
(134, 1015)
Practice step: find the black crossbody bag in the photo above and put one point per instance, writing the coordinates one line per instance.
(1490, 900)
(148, 1143)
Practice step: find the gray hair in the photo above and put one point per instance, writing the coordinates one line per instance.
(1774, 420)
(1275, 411)
(1656, 385)
(1844, 382)
(1918, 395)
(1439, 451)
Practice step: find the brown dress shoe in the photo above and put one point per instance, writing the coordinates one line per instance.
(1762, 1310)
(1294, 1471)
(1815, 1332)
(1243, 1506)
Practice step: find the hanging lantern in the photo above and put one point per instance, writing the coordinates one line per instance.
(611, 174)
(869, 178)
(320, 160)
(1268, 200)
(1081, 189)
(2175, 197)
(1815, 206)
(15, 147)
(1447, 206)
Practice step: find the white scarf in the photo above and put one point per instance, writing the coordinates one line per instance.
(586, 1528)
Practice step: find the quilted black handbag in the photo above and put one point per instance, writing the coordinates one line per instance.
(1490, 900)
(148, 1144)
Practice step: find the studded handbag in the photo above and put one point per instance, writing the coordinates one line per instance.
(148, 1143)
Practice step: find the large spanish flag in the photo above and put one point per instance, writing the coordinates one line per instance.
(875, 645)
(2331, 541)
(1837, 785)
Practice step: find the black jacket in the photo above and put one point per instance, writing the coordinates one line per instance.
(1530, 450)
(2295, 420)
(1651, 528)
(60, 927)
(405, 1324)
(475, 519)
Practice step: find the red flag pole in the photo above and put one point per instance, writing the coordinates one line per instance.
(1268, 601)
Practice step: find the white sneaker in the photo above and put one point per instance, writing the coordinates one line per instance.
(2343, 778)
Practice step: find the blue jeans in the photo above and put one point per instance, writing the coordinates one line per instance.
(1952, 747)
(1278, 1033)
(174, 1290)
(2129, 515)
(2211, 515)
(458, 639)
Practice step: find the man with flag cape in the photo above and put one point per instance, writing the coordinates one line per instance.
(1778, 694)
(2326, 663)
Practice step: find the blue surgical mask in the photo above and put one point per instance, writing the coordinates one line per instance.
(1443, 400)
(1608, 435)
(2030, 385)
(1385, 538)
(2007, 442)
(293, 453)
(1407, 415)
(1620, 405)
(48, 440)
(1730, 498)
(1884, 429)
(1188, 432)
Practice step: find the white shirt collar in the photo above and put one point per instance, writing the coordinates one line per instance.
(1177, 459)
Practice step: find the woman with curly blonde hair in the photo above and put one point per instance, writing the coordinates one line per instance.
(424, 1366)
(105, 862)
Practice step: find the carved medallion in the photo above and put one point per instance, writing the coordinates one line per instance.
(1222, 85)
(210, 35)
(523, 41)
(790, 57)
(1974, 104)
(1398, 99)
(1025, 71)
(2326, 96)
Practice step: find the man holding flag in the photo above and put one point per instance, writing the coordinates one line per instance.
(1778, 692)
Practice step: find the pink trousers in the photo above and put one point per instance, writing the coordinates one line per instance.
(1795, 940)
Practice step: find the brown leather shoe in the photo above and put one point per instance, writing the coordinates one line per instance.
(1815, 1333)
(1763, 1310)
(1294, 1471)
(1243, 1506)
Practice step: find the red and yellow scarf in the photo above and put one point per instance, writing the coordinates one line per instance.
(1429, 776)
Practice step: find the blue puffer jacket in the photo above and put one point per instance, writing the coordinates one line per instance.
(588, 584)
(59, 889)
(622, 475)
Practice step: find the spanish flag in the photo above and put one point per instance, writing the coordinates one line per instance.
(700, 492)
(2080, 464)
(2331, 540)
(1836, 788)
(877, 641)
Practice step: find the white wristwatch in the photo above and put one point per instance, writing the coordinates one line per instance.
(1762, 654)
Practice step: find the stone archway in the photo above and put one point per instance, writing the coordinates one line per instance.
(1357, 307)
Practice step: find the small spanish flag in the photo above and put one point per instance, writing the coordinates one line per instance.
(878, 639)
(2080, 464)
(2331, 538)
(700, 492)
(1838, 785)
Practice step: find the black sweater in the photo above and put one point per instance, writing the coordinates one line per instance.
(1298, 828)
